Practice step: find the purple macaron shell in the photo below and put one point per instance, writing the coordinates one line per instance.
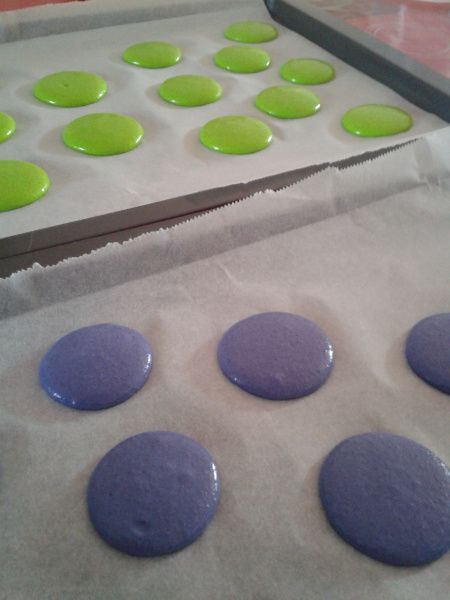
(428, 350)
(389, 497)
(276, 355)
(96, 367)
(153, 494)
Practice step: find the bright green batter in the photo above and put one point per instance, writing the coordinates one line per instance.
(236, 135)
(70, 88)
(376, 120)
(288, 102)
(251, 32)
(242, 59)
(103, 134)
(190, 90)
(7, 127)
(21, 183)
(307, 71)
(152, 55)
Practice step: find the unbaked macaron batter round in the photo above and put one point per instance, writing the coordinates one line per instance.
(251, 32)
(307, 71)
(21, 183)
(236, 135)
(152, 55)
(154, 493)
(96, 367)
(276, 355)
(190, 90)
(70, 88)
(288, 102)
(376, 120)
(242, 59)
(7, 127)
(428, 350)
(103, 134)
(389, 497)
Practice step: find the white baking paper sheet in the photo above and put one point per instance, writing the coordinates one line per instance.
(364, 252)
(170, 162)
(48, 19)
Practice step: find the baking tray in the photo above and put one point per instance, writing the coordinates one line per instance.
(83, 204)
(49, 245)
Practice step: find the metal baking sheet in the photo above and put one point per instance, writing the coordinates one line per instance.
(170, 174)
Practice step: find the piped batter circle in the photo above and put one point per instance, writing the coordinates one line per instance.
(389, 497)
(276, 355)
(96, 367)
(288, 102)
(307, 71)
(376, 120)
(153, 494)
(428, 350)
(242, 59)
(236, 135)
(103, 134)
(251, 32)
(70, 88)
(190, 90)
(21, 183)
(7, 127)
(153, 55)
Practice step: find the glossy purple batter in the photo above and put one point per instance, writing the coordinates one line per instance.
(276, 355)
(153, 494)
(389, 497)
(428, 350)
(96, 367)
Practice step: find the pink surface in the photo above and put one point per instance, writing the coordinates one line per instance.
(420, 29)
(18, 4)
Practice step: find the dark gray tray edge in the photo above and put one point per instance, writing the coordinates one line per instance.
(180, 206)
(51, 245)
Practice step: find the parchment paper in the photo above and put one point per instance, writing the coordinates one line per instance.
(49, 19)
(170, 161)
(364, 252)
